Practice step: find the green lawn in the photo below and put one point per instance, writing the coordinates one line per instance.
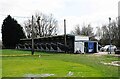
(0, 64)
(17, 63)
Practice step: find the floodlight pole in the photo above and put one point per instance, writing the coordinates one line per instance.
(65, 34)
(110, 34)
(32, 39)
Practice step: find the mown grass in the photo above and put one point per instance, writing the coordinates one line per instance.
(0, 64)
(17, 63)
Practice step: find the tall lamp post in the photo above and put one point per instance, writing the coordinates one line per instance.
(110, 34)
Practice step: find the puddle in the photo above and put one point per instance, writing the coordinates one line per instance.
(38, 75)
(70, 73)
(114, 63)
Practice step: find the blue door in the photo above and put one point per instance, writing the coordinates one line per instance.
(91, 47)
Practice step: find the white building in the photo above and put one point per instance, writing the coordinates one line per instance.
(83, 45)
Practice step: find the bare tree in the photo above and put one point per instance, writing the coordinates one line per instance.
(105, 32)
(98, 32)
(86, 30)
(43, 25)
(112, 32)
(28, 29)
(76, 30)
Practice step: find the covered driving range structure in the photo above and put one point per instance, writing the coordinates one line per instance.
(58, 44)
(49, 44)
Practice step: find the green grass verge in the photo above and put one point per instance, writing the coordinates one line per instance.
(0, 64)
(17, 63)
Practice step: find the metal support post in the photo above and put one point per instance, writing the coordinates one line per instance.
(65, 34)
(110, 34)
(32, 38)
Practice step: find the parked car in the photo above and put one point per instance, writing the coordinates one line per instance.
(99, 46)
(107, 48)
(117, 51)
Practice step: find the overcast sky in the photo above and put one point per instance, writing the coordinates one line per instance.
(94, 12)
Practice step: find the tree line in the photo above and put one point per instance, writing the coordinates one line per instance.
(12, 32)
(105, 33)
(44, 25)
(47, 25)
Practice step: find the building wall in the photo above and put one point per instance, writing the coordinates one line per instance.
(81, 38)
(79, 46)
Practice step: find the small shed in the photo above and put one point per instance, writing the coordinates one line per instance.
(83, 45)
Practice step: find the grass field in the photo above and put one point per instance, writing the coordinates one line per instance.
(0, 64)
(16, 63)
